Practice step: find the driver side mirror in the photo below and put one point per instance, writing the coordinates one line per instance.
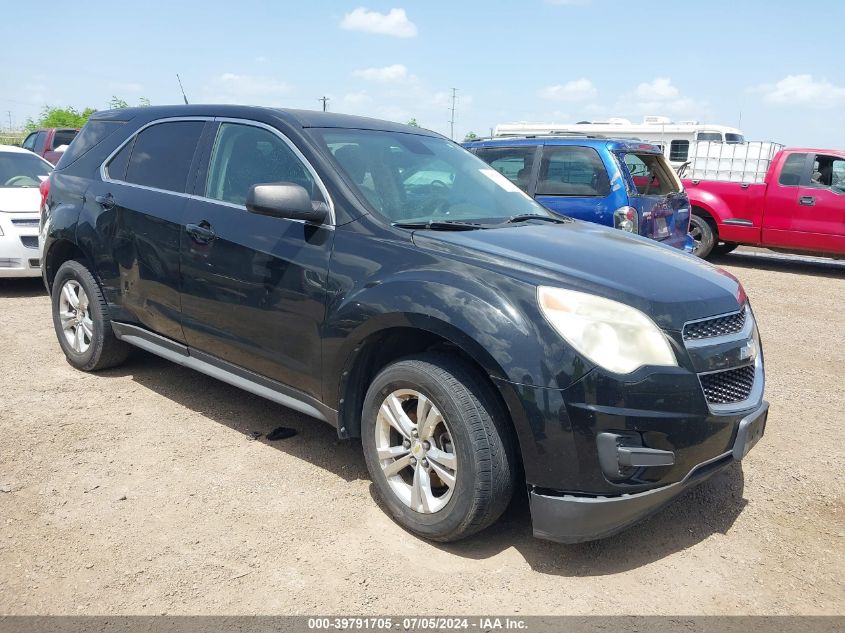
(284, 200)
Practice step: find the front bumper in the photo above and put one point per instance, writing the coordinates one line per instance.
(19, 254)
(577, 518)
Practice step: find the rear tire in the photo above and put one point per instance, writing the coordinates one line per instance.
(704, 234)
(81, 320)
(451, 473)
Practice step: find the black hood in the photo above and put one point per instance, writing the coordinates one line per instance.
(670, 286)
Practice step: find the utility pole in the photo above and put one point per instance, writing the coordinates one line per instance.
(452, 120)
(9, 112)
(325, 101)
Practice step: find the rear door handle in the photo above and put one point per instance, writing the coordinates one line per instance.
(807, 201)
(201, 233)
(106, 201)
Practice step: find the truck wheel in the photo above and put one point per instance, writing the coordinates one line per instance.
(82, 322)
(703, 234)
(724, 248)
(437, 447)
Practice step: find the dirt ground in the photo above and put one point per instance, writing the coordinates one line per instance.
(140, 490)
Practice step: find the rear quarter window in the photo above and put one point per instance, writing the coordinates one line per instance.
(94, 133)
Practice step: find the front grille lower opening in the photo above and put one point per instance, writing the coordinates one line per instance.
(728, 387)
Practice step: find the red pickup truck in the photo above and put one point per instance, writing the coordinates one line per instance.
(796, 204)
(46, 141)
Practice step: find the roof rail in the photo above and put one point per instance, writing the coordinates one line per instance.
(551, 134)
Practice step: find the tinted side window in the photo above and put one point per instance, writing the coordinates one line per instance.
(116, 169)
(29, 142)
(162, 155)
(91, 135)
(572, 171)
(63, 137)
(40, 142)
(793, 169)
(514, 163)
(245, 155)
(713, 137)
(678, 150)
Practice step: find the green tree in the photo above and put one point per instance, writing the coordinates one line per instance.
(117, 103)
(471, 136)
(60, 117)
(413, 123)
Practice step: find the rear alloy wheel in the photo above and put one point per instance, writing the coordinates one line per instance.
(81, 320)
(437, 447)
(703, 235)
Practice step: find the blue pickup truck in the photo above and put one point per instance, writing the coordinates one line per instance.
(624, 184)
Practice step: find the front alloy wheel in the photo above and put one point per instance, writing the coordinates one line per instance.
(438, 446)
(415, 451)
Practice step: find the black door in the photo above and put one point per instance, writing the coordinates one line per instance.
(139, 209)
(253, 287)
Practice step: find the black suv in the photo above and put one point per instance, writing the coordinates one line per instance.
(382, 279)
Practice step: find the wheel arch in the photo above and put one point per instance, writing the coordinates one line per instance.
(392, 338)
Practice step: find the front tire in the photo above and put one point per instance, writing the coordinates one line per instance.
(81, 320)
(437, 447)
(704, 235)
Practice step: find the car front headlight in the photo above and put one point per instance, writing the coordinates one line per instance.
(611, 334)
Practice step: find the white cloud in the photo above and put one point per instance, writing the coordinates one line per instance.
(661, 89)
(576, 90)
(395, 23)
(395, 72)
(247, 89)
(803, 90)
(660, 96)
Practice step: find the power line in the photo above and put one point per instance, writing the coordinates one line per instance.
(452, 120)
(325, 101)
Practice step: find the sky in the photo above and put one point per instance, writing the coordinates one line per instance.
(770, 68)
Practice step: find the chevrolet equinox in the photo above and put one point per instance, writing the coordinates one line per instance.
(382, 279)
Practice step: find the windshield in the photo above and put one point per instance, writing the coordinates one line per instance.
(411, 178)
(19, 169)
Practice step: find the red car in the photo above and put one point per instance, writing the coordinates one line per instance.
(794, 202)
(46, 141)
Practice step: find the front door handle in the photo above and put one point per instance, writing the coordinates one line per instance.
(106, 201)
(201, 233)
(807, 201)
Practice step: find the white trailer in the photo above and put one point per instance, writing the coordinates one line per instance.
(675, 139)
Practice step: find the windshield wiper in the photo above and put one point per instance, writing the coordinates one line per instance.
(442, 225)
(534, 216)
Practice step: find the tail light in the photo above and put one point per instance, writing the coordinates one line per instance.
(44, 188)
(626, 219)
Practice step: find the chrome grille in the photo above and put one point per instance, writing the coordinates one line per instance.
(719, 326)
(726, 387)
